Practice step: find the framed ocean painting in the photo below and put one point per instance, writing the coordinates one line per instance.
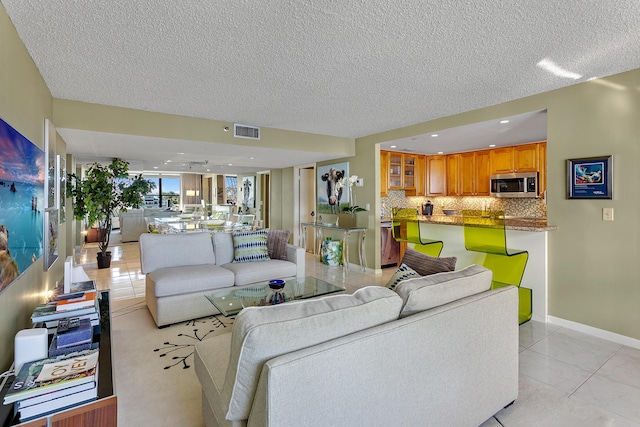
(22, 204)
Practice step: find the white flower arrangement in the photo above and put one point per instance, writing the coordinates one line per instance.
(350, 181)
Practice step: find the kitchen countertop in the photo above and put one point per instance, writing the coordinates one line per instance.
(511, 223)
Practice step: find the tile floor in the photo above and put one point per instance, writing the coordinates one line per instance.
(588, 369)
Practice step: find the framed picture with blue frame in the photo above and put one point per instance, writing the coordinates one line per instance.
(590, 178)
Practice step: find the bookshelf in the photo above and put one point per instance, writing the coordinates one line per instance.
(101, 412)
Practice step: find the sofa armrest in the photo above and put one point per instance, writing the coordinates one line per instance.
(295, 254)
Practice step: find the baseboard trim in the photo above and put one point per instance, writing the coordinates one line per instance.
(600, 333)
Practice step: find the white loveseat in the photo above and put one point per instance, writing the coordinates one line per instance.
(440, 351)
(182, 268)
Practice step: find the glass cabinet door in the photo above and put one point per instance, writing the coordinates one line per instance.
(395, 171)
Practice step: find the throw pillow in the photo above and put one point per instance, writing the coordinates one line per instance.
(442, 288)
(404, 272)
(425, 265)
(250, 246)
(277, 243)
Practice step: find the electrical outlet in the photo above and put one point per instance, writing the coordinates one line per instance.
(367, 206)
(607, 214)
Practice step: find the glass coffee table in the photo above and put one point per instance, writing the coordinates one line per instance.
(231, 301)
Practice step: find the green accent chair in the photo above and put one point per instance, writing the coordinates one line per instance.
(406, 228)
(484, 231)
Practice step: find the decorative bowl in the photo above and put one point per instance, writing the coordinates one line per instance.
(450, 211)
(276, 285)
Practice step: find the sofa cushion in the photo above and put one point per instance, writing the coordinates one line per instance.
(261, 333)
(277, 243)
(250, 272)
(173, 250)
(404, 272)
(425, 265)
(423, 293)
(223, 247)
(186, 280)
(249, 246)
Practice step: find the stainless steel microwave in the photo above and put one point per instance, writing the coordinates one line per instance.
(524, 184)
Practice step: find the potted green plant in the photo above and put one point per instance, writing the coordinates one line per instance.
(102, 192)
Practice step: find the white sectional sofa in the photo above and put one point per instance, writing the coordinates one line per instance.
(133, 222)
(181, 268)
(441, 350)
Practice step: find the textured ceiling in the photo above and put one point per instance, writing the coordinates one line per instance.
(344, 68)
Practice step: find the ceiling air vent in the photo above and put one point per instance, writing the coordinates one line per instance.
(244, 131)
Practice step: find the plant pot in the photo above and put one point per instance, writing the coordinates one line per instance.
(331, 252)
(104, 261)
(346, 220)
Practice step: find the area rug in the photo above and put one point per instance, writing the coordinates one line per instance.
(156, 383)
(154, 376)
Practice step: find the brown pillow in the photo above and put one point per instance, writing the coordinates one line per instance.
(425, 265)
(277, 243)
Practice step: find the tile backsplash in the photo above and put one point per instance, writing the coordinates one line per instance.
(531, 208)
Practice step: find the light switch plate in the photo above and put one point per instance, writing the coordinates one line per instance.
(607, 214)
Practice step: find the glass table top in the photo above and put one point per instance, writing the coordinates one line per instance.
(231, 301)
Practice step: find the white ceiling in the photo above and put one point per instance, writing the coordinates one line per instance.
(347, 68)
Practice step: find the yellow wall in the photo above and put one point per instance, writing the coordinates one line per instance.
(25, 101)
(593, 264)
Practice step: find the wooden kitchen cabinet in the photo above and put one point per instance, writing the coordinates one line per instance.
(483, 173)
(384, 173)
(403, 172)
(395, 171)
(453, 173)
(474, 173)
(542, 171)
(436, 175)
(415, 185)
(518, 158)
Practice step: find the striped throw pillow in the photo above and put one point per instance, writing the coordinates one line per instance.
(425, 265)
(404, 272)
(250, 246)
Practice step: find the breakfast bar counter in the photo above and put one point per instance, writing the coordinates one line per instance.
(511, 222)
(528, 234)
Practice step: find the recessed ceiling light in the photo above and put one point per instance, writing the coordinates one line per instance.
(155, 167)
(230, 164)
(440, 152)
(168, 161)
(504, 121)
(393, 146)
(180, 152)
(250, 158)
(434, 135)
(492, 145)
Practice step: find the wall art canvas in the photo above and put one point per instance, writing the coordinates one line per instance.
(248, 192)
(22, 169)
(590, 178)
(333, 194)
(51, 237)
(50, 186)
(62, 187)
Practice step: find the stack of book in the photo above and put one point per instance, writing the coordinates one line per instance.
(80, 302)
(54, 384)
(72, 334)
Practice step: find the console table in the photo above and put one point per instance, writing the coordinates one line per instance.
(347, 232)
(101, 412)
